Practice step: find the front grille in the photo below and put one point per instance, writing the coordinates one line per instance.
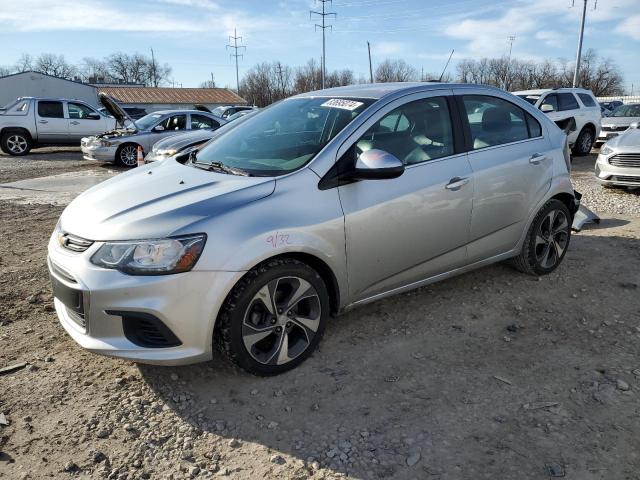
(77, 318)
(73, 243)
(626, 178)
(615, 128)
(625, 160)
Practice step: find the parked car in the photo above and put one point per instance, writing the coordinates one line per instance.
(618, 121)
(561, 103)
(618, 163)
(180, 145)
(240, 114)
(227, 111)
(32, 122)
(612, 105)
(120, 146)
(134, 113)
(276, 225)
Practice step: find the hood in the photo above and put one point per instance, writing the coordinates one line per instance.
(629, 139)
(202, 108)
(618, 121)
(114, 109)
(158, 200)
(182, 140)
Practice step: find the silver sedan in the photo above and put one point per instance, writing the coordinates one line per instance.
(618, 163)
(315, 205)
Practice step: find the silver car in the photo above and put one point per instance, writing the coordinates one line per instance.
(317, 204)
(121, 145)
(618, 121)
(618, 163)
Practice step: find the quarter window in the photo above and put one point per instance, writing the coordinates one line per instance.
(77, 110)
(494, 121)
(566, 101)
(201, 122)
(50, 109)
(415, 132)
(587, 100)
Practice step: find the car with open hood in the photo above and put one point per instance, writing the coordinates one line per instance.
(618, 121)
(121, 145)
(618, 162)
(317, 204)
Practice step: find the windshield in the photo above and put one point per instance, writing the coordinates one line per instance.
(532, 99)
(148, 121)
(218, 111)
(283, 137)
(626, 111)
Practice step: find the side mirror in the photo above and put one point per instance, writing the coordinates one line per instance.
(635, 125)
(377, 165)
(93, 116)
(546, 108)
(158, 128)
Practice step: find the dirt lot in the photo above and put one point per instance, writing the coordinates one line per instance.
(488, 375)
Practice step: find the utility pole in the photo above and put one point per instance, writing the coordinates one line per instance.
(446, 65)
(153, 67)
(370, 68)
(235, 54)
(510, 39)
(576, 72)
(323, 26)
(213, 82)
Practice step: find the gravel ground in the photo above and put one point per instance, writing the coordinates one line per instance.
(492, 374)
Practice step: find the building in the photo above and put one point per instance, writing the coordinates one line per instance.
(35, 84)
(161, 98)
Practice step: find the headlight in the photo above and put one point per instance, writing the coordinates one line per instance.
(151, 257)
(166, 152)
(606, 150)
(106, 143)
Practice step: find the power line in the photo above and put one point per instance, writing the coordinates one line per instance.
(236, 55)
(322, 15)
(510, 39)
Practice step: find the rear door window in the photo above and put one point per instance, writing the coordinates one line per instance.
(199, 122)
(494, 121)
(50, 109)
(566, 101)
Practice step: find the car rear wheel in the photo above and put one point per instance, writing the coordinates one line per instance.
(274, 317)
(547, 240)
(584, 143)
(127, 155)
(16, 143)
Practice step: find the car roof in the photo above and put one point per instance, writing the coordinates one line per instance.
(540, 91)
(379, 90)
(54, 99)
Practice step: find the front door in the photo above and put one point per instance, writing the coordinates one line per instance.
(83, 121)
(403, 230)
(50, 122)
(512, 166)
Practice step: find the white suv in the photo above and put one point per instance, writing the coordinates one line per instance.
(562, 103)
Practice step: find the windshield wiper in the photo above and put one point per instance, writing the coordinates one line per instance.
(219, 167)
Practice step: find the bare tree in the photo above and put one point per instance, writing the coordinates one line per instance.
(208, 84)
(55, 65)
(395, 71)
(4, 71)
(308, 77)
(24, 63)
(136, 68)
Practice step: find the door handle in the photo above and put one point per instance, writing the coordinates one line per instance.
(456, 183)
(536, 158)
(43, 121)
(75, 123)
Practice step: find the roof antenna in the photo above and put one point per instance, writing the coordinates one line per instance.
(445, 67)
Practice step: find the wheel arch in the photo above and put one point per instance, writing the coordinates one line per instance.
(567, 199)
(6, 130)
(589, 126)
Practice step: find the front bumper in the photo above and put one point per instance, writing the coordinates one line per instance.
(608, 174)
(186, 304)
(99, 153)
(154, 157)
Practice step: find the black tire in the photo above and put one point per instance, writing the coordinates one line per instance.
(16, 143)
(238, 319)
(122, 155)
(532, 259)
(584, 142)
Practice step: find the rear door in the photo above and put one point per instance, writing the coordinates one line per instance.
(512, 169)
(83, 121)
(403, 230)
(202, 122)
(51, 123)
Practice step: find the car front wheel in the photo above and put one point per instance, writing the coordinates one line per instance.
(584, 143)
(274, 317)
(16, 143)
(547, 240)
(127, 155)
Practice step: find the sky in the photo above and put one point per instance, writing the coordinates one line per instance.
(190, 35)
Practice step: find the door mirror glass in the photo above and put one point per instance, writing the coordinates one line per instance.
(546, 108)
(635, 125)
(158, 128)
(377, 164)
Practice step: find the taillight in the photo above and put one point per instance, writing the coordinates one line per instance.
(567, 154)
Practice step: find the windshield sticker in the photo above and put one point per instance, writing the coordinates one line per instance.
(342, 103)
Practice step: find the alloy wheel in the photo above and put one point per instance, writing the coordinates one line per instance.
(552, 238)
(587, 143)
(17, 144)
(129, 155)
(281, 320)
